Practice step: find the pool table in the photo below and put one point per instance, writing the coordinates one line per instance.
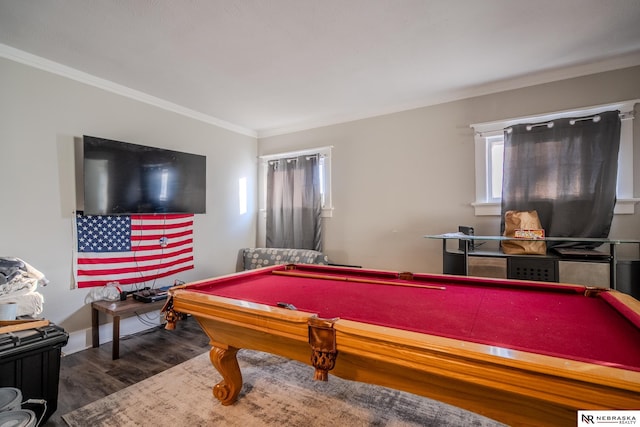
(520, 352)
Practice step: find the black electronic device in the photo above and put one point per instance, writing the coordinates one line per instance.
(122, 178)
(578, 253)
(469, 232)
(150, 295)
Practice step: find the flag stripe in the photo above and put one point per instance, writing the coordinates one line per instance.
(154, 226)
(136, 268)
(154, 246)
(132, 249)
(159, 236)
(132, 272)
(107, 258)
(98, 269)
(167, 217)
(129, 281)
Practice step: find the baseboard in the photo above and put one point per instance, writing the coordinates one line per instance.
(81, 340)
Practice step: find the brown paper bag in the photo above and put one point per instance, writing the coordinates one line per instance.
(518, 223)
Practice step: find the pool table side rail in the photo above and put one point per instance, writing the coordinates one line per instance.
(578, 384)
(260, 317)
(429, 278)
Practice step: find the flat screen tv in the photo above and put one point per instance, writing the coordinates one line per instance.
(124, 178)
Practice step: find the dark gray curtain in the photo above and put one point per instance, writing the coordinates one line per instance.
(294, 203)
(566, 170)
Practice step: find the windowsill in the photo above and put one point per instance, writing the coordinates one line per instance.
(623, 207)
(326, 213)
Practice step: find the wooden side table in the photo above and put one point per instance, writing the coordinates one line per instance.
(117, 309)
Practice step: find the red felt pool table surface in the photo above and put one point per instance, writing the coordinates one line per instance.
(552, 320)
(597, 328)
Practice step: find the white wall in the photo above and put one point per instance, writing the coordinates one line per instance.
(40, 115)
(400, 176)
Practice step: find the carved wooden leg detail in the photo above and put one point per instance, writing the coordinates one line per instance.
(170, 315)
(322, 338)
(323, 361)
(172, 318)
(224, 360)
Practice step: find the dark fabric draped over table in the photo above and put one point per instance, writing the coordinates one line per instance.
(294, 203)
(566, 170)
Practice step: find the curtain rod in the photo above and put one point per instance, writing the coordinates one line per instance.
(497, 126)
(595, 117)
(317, 150)
(293, 159)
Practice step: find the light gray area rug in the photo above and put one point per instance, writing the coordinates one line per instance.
(276, 392)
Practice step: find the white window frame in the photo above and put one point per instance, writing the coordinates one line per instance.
(485, 205)
(325, 158)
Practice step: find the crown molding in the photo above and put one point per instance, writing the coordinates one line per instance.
(35, 61)
(608, 64)
(627, 60)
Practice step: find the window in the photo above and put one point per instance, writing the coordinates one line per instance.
(495, 147)
(242, 195)
(489, 148)
(324, 166)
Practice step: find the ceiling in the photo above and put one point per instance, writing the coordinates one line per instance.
(264, 67)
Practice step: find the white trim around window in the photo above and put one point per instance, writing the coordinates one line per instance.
(485, 205)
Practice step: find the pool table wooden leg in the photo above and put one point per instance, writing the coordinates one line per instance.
(224, 360)
(322, 338)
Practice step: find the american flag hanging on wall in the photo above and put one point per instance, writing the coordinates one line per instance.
(132, 248)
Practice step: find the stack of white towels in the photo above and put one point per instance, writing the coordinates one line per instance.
(19, 282)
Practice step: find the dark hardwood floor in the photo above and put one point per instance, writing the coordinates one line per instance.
(90, 374)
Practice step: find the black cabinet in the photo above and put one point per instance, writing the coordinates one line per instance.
(30, 362)
(628, 272)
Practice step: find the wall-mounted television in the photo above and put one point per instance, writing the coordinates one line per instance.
(124, 178)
